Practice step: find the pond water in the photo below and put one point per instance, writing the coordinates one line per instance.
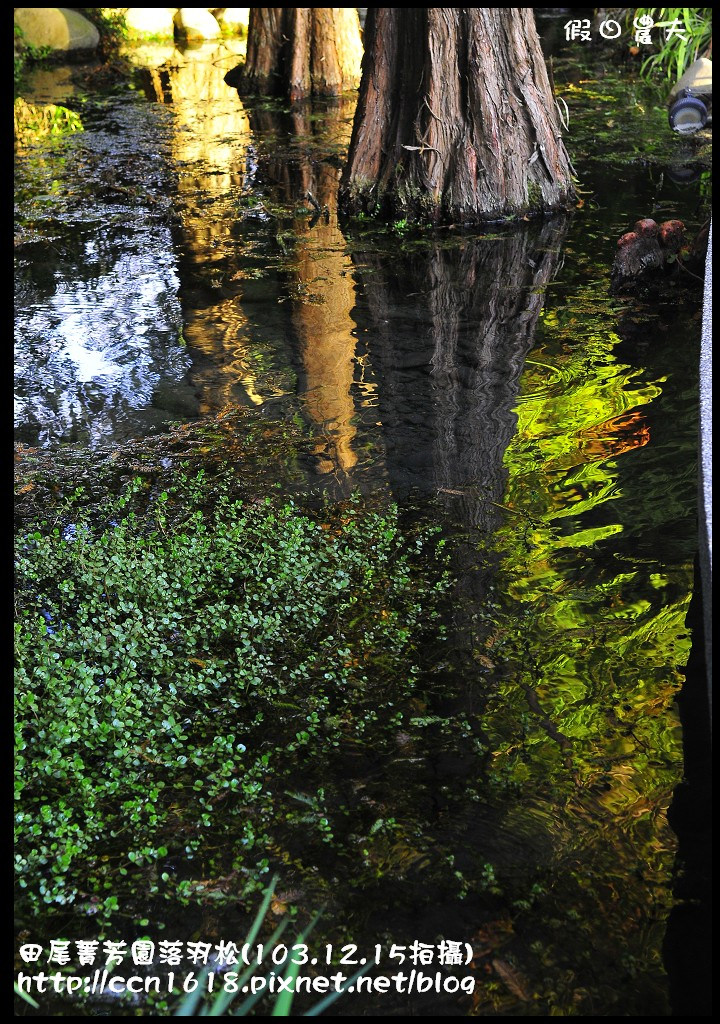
(170, 266)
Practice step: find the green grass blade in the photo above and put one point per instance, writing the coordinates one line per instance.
(283, 1002)
(330, 999)
(255, 996)
(26, 997)
(260, 916)
(224, 999)
(187, 1006)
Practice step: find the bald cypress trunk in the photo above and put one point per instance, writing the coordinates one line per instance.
(456, 120)
(302, 51)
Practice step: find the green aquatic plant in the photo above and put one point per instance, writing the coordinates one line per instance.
(598, 133)
(33, 120)
(686, 35)
(185, 668)
(197, 1004)
(25, 997)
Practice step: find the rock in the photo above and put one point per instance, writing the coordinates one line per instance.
(59, 28)
(196, 23)
(143, 22)
(697, 78)
(234, 19)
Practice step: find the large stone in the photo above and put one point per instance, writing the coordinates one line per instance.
(234, 19)
(196, 23)
(697, 78)
(143, 22)
(57, 27)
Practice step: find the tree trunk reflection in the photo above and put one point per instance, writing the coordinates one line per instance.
(448, 331)
(320, 286)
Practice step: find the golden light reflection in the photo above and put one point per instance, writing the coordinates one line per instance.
(324, 328)
(211, 136)
(321, 288)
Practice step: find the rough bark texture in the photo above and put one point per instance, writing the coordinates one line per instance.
(302, 51)
(456, 120)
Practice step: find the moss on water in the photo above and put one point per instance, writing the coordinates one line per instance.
(616, 117)
(193, 674)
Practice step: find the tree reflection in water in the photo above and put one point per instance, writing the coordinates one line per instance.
(564, 654)
(317, 274)
(448, 329)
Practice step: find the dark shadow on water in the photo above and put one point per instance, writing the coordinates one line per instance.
(688, 941)
(447, 331)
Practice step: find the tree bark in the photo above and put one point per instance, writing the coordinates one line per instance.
(301, 51)
(456, 120)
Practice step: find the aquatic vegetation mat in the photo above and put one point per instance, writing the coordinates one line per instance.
(183, 679)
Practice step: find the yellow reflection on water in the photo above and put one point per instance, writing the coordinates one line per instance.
(320, 292)
(211, 136)
(595, 639)
(324, 328)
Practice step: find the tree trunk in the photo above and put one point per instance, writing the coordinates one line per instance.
(299, 51)
(456, 120)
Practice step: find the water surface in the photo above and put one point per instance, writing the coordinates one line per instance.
(169, 266)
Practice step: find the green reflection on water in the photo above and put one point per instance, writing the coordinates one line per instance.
(582, 725)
